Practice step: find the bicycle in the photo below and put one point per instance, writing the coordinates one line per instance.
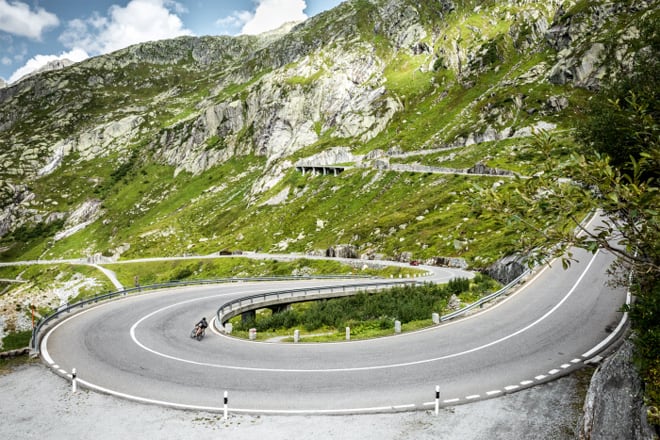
(198, 333)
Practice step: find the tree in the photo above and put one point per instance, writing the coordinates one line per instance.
(553, 202)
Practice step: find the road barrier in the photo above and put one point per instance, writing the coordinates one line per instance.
(486, 298)
(68, 308)
(240, 305)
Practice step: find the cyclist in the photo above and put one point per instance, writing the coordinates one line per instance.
(201, 326)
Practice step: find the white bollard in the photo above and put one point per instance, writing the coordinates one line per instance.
(348, 333)
(229, 327)
(253, 334)
(74, 381)
(225, 407)
(437, 399)
(296, 336)
(397, 326)
(436, 318)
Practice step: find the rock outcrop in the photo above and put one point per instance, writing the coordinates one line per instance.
(507, 269)
(613, 406)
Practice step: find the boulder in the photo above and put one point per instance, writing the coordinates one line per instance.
(507, 269)
(613, 407)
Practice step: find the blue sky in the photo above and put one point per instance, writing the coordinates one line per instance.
(34, 32)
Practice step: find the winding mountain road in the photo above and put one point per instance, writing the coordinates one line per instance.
(139, 348)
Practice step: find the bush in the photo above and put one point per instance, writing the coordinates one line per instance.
(457, 286)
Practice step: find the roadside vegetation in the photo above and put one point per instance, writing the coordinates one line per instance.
(616, 170)
(368, 314)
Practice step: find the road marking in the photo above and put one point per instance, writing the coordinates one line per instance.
(512, 387)
(450, 401)
(612, 335)
(565, 366)
(551, 372)
(134, 398)
(492, 393)
(349, 369)
(540, 377)
(412, 405)
(526, 382)
(472, 397)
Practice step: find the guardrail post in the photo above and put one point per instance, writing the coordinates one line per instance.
(228, 328)
(296, 336)
(436, 318)
(253, 334)
(437, 399)
(74, 381)
(226, 402)
(348, 333)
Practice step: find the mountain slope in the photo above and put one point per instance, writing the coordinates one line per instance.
(190, 145)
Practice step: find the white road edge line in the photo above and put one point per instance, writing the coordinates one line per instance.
(369, 368)
(612, 335)
(241, 410)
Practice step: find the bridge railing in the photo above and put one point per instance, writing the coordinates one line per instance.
(68, 308)
(239, 305)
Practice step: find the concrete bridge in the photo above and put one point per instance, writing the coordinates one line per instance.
(324, 170)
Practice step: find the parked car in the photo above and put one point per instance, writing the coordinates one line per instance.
(414, 263)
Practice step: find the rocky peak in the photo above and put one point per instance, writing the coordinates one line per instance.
(50, 66)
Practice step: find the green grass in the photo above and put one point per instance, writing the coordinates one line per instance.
(14, 341)
(198, 269)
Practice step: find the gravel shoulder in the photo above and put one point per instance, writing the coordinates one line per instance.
(37, 404)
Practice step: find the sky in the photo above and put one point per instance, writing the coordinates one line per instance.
(35, 32)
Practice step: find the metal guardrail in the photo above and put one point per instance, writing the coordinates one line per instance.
(238, 305)
(293, 294)
(34, 340)
(485, 299)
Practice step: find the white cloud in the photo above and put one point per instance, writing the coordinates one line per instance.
(233, 23)
(139, 21)
(39, 61)
(17, 18)
(6, 61)
(271, 14)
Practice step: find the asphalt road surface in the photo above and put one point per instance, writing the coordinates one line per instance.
(139, 348)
